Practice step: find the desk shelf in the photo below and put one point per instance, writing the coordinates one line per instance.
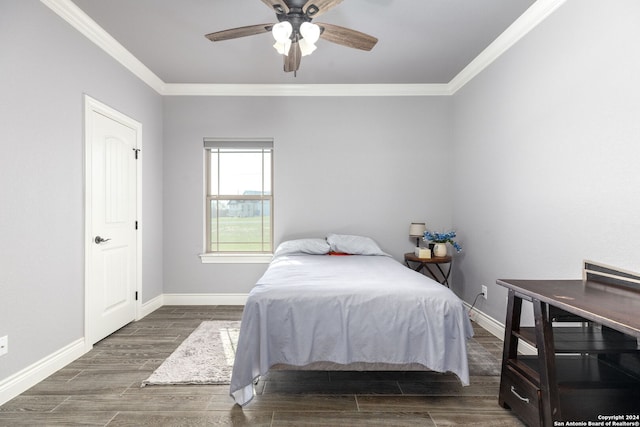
(587, 371)
(584, 339)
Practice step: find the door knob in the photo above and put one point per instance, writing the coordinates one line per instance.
(99, 240)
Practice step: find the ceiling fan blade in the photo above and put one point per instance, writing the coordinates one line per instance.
(315, 8)
(279, 6)
(292, 61)
(347, 37)
(234, 33)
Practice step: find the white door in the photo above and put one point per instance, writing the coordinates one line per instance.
(111, 255)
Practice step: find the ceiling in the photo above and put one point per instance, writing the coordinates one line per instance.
(420, 41)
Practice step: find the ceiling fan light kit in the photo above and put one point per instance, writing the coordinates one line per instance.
(295, 35)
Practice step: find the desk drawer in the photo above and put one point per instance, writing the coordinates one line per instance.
(522, 396)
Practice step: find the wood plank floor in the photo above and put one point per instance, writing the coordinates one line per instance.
(102, 388)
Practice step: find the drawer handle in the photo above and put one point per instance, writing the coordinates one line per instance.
(524, 399)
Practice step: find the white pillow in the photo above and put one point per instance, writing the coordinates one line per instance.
(354, 245)
(303, 247)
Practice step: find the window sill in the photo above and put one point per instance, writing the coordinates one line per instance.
(236, 258)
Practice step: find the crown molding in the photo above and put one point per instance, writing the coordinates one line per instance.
(306, 90)
(533, 16)
(79, 20)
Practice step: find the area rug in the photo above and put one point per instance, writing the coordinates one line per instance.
(206, 357)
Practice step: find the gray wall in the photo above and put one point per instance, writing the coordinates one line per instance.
(365, 166)
(547, 149)
(535, 163)
(45, 68)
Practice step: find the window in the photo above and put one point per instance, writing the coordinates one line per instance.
(239, 196)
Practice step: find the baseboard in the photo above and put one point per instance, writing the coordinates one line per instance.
(23, 380)
(497, 329)
(151, 306)
(204, 299)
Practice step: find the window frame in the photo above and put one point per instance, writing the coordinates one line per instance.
(258, 144)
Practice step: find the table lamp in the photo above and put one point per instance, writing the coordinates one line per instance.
(417, 229)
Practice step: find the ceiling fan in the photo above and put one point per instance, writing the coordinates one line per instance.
(294, 33)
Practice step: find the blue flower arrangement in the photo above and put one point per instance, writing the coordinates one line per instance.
(442, 238)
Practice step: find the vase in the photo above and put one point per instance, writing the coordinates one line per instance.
(440, 249)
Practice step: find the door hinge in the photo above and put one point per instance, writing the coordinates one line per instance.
(136, 225)
(136, 295)
(136, 151)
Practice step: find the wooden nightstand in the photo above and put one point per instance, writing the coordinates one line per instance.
(426, 263)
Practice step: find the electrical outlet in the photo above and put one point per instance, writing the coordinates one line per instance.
(4, 345)
(484, 291)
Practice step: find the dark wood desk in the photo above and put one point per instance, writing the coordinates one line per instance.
(577, 374)
(425, 263)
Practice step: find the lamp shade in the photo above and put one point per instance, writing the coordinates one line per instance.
(306, 48)
(282, 31)
(310, 34)
(282, 34)
(417, 229)
(283, 48)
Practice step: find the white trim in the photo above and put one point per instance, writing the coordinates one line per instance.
(140, 223)
(79, 20)
(533, 16)
(23, 380)
(489, 323)
(205, 299)
(211, 258)
(497, 329)
(93, 105)
(177, 89)
(150, 306)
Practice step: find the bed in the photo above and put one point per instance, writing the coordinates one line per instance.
(342, 301)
